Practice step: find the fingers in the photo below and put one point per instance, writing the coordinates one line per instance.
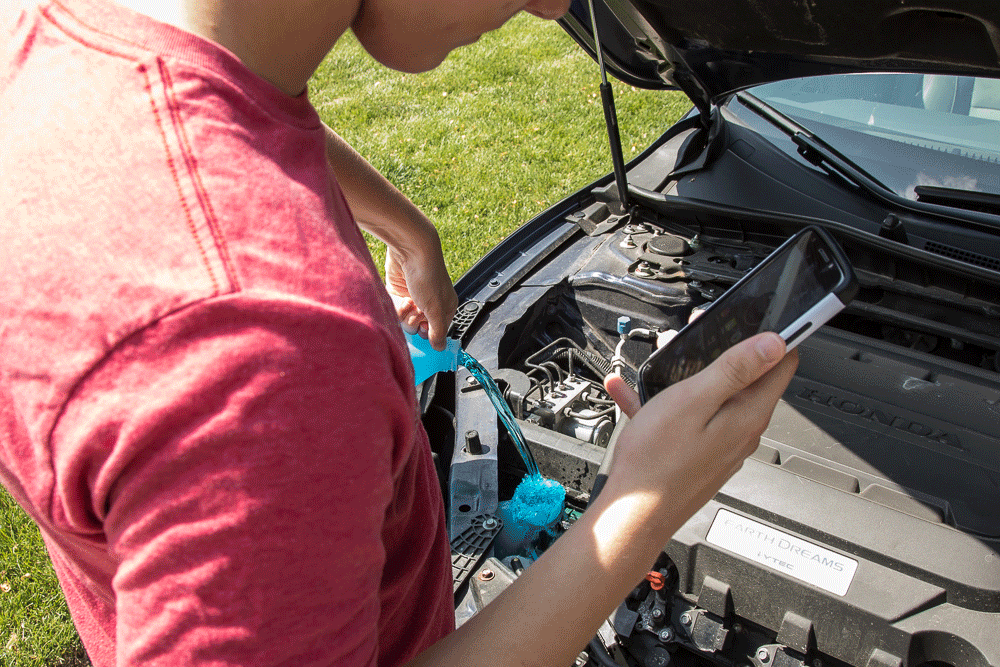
(735, 370)
(423, 295)
(406, 312)
(440, 308)
(414, 321)
(437, 312)
(626, 397)
(437, 328)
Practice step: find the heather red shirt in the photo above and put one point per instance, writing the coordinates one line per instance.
(205, 401)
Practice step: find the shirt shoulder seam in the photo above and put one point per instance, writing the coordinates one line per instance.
(204, 200)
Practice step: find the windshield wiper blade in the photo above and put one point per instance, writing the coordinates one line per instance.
(821, 154)
(984, 202)
(815, 151)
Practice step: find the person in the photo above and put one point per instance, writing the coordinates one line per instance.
(207, 402)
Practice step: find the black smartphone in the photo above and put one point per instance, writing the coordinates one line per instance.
(796, 289)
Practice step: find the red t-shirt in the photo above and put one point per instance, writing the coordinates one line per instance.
(205, 401)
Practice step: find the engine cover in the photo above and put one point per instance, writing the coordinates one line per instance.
(864, 528)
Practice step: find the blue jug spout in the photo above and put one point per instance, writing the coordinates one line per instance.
(427, 361)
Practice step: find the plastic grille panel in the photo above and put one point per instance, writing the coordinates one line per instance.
(463, 318)
(468, 548)
(963, 255)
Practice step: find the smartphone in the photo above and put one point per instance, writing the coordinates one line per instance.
(796, 289)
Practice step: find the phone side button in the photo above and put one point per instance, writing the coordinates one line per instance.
(801, 330)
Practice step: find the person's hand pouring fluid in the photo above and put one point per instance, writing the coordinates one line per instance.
(422, 292)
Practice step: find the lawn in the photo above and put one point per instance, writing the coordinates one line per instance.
(500, 131)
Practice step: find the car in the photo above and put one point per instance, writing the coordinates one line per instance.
(865, 529)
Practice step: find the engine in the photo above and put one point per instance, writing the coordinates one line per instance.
(864, 529)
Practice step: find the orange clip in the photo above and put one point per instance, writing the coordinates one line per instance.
(656, 580)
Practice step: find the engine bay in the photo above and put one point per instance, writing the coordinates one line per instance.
(863, 531)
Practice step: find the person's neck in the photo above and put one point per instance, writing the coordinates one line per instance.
(282, 42)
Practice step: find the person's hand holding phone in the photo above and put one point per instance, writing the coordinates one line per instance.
(684, 444)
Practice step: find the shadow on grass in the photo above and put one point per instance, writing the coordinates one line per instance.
(75, 657)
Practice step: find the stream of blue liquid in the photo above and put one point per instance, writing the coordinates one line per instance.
(503, 410)
(537, 503)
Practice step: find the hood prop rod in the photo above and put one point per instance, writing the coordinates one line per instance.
(610, 118)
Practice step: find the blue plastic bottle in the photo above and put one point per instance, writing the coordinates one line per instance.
(427, 361)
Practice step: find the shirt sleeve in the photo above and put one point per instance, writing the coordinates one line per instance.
(240, 456)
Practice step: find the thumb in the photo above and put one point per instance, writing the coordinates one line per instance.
(738, 368)
(624, 395)
(436, 333)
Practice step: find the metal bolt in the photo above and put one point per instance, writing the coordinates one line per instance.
(763, 655)
(686, 618)
(494, 283)
(666, 635)
(490, 523)
(486, 575)
(644, 272)
(471, 380)
(657, 614)
(470, 307)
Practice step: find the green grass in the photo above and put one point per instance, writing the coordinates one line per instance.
(503, 129)
(500, 131)
(35, 627)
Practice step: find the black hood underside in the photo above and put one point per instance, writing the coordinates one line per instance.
(711, 48)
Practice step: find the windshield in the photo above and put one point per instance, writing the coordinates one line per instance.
(905, 130)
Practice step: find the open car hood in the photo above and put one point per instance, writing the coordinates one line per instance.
(710, 48)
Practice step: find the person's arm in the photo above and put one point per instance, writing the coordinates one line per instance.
(415, 271)
(675, 454)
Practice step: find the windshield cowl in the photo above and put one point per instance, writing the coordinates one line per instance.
(893, 135)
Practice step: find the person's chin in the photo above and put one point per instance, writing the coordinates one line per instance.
(428, 60)
(413, 65)
(409, 61)
(471, 40)
(419, 58)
